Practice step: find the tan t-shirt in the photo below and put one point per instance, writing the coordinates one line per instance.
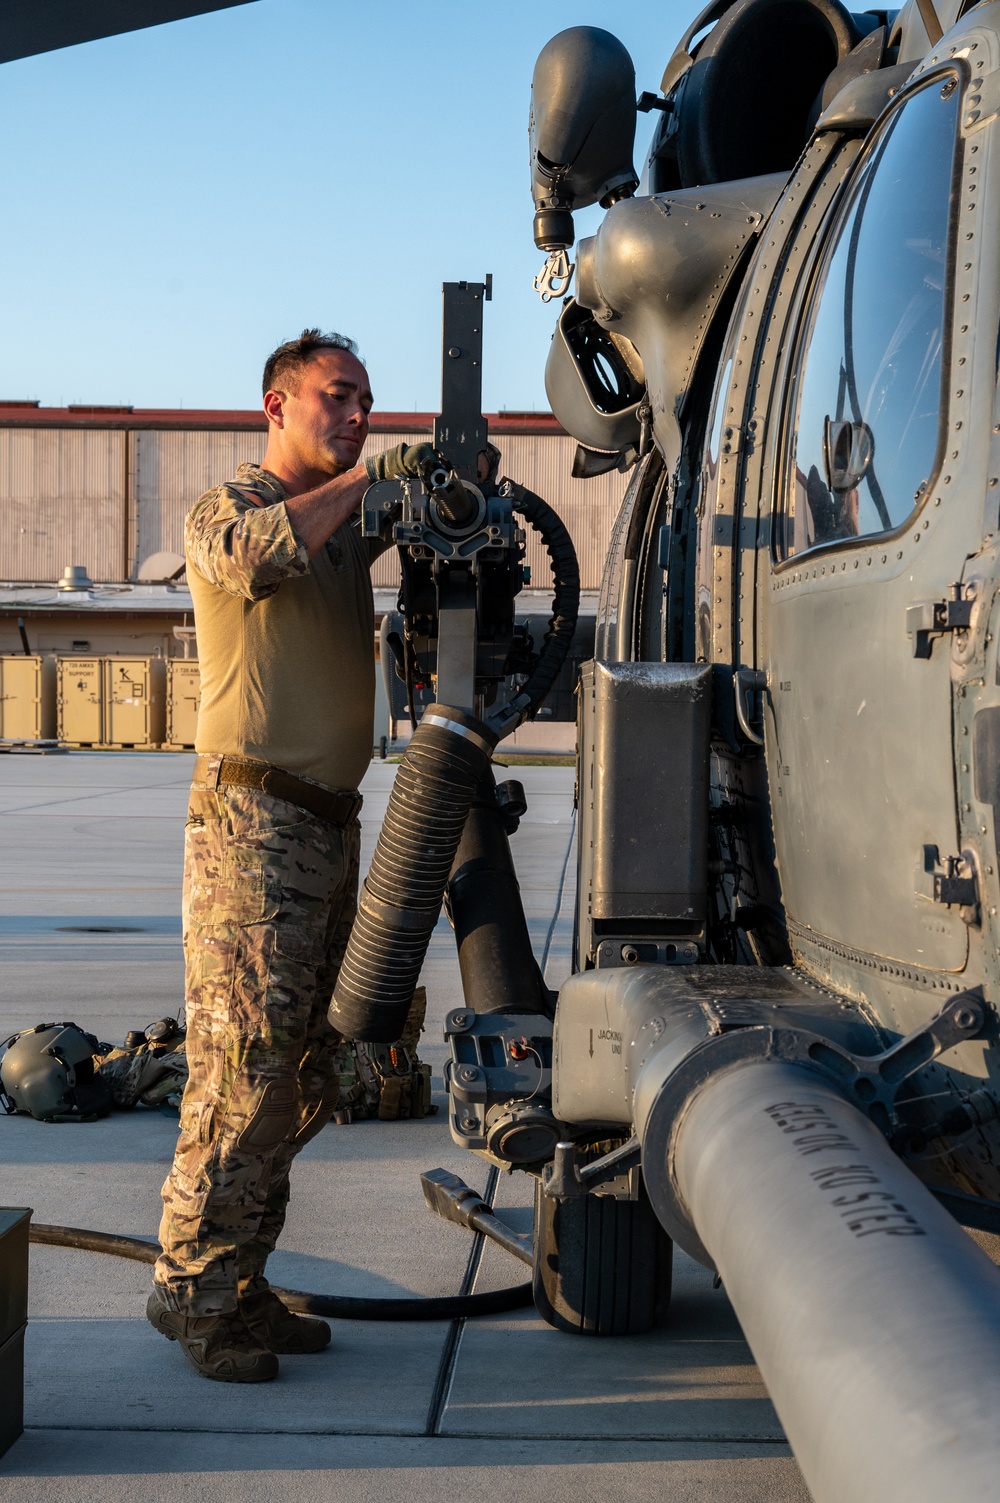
(285, 642)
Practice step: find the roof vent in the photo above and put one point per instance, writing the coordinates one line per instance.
(97, 407)
(75, 577)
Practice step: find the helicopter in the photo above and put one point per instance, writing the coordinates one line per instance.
(778, 1046)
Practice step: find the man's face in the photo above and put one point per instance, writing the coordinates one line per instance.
(325, 421)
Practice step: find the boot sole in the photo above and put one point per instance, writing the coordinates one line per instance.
(266, 1377)
(296, 1351)
(159, 1323)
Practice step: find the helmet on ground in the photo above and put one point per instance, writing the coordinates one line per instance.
(48, 1073)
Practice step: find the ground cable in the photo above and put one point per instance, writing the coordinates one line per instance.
(332, 1306)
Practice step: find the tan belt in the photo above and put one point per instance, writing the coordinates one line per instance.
(238, 772)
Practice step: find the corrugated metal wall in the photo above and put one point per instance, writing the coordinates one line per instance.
(171, 469)
(62, 501)
(588, 507)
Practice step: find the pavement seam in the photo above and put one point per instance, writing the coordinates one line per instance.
(449, 1353)
(83, 798)
(559, 894)
(450, 1435)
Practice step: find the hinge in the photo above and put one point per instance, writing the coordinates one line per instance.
(932, 618)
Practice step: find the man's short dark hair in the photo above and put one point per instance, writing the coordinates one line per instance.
(283, 368)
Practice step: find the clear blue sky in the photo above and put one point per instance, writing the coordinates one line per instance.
(179, 200)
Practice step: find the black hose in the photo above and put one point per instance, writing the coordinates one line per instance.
(498, 965)
(401, 896)
(449, 752)
(333, 1306)
(566, 593)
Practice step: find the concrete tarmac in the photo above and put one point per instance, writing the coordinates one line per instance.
(90, 931)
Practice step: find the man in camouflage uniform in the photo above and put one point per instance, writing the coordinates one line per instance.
(279, 575)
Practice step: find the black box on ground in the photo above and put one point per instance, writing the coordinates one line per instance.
(14, 1222)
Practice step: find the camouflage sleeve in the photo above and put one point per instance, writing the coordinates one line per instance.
(244, 549)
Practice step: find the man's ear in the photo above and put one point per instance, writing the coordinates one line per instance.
(274, 408)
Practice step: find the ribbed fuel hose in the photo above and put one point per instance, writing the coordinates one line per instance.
(333, 1306)
(401, 896)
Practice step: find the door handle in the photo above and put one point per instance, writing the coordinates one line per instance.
(746, 682)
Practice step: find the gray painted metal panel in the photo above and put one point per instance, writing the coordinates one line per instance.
(860, 735)
(861, 743)
(62, 501)
(644, 731)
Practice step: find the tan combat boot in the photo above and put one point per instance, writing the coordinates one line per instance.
(276, 1327)
(217, 1346)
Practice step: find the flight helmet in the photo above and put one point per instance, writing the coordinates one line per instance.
(47, 1072)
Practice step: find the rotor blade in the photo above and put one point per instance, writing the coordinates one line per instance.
(45, 25)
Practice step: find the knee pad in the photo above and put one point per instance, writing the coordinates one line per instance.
(318, 1117)
(271, 1119)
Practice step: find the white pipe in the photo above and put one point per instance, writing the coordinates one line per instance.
(874, 1318)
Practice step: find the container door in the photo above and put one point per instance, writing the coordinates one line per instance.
(20, 698)
(184, 699)
(80, 701)
(128, 701)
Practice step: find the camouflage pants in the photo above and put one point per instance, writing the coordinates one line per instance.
(269, 899)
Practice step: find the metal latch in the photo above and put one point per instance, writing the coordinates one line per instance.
(949, 880)
(932, 618)
(564, 1179)
(951, 887)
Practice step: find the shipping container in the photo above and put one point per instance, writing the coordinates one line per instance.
(114, 702)
(183, 700)
(81, 701)
(134, 701)
(27, 697)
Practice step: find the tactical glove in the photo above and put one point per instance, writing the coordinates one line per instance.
(404, 459)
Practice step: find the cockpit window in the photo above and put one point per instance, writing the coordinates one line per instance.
(870, 389)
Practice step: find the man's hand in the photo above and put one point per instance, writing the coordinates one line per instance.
(315, 515)
(404, 459)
